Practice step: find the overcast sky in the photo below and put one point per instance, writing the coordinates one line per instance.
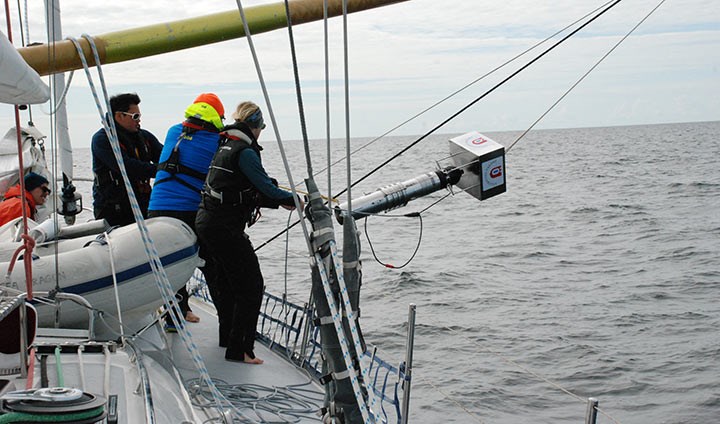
(405, 57)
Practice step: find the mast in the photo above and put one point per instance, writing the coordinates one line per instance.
(68, 207)
(167, 37)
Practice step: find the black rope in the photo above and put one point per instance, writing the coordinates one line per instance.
(417, 247)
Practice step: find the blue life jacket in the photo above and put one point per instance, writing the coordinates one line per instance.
(184, 161)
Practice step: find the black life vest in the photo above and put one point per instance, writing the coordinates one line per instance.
(226, 186)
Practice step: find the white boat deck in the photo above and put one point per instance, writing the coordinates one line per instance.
(271, 378)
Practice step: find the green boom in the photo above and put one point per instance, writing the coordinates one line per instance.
(167, 37)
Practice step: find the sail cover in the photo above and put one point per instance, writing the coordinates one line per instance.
(19, 83)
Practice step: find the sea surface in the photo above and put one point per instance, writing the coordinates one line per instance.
(597, 274)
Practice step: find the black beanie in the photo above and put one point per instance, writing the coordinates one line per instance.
(33, 181)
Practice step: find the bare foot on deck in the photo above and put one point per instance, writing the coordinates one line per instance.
(191, 317)
(249, 360)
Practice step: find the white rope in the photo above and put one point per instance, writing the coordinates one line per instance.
(351, 318)
(81, 365)
(337, 321)
(161, 278)
(275, 126)
(115, 286)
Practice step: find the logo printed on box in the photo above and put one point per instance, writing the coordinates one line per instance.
(492, 174)
(478, 141)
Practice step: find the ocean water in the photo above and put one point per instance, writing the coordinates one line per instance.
(597, 274)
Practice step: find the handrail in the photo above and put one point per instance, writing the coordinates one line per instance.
(77, 299)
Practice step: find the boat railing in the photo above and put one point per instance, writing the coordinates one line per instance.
(56, 298)
(282, 328)
(10, 304)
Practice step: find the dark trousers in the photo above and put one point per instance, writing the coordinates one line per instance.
(120, 213)
(187, 217)
(235, 280)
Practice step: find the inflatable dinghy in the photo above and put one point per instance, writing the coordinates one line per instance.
(85, 264)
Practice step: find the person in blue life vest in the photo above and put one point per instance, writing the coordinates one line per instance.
(236, 187)
(140, 152)
(189, 147)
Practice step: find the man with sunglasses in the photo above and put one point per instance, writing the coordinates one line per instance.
(140, 152)
(36, 192)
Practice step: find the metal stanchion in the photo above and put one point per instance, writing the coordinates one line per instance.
(408, 364)
(591, 414)
(23, 339)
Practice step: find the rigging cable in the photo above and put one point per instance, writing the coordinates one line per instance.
(271, 112)
(327, 95)
(463, 88)
(456, 114)
(592, 68)
(496, 86)
(349, 184)
(572, 87)
(298, 91)
(55, 105)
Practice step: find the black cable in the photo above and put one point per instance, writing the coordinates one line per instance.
(417, 247)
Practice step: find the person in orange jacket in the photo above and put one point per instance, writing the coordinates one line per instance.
(36, 192)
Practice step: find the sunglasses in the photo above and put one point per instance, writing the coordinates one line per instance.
(46, 190)
(134, 116)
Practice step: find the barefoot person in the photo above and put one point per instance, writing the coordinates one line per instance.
(189, 147)
(236, 187)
